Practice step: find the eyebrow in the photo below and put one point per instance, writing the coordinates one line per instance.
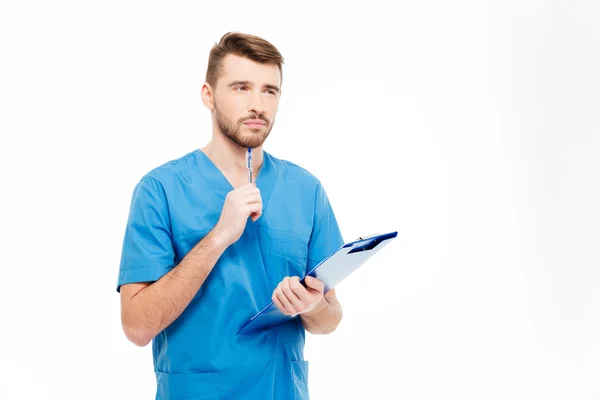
(250, 83)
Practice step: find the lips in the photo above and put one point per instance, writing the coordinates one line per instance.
(254, 122)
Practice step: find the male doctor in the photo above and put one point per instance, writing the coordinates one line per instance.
(204, 250)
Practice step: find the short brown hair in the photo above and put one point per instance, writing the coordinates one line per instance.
(240, 44)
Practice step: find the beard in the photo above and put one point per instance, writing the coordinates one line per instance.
(233, 131)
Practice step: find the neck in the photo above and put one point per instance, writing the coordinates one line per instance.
(231, 158)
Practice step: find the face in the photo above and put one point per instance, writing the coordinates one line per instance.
(245, 100)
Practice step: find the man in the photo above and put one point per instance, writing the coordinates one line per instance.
(204, 250)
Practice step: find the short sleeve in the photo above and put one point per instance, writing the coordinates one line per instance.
(325, 237)
(147, 252)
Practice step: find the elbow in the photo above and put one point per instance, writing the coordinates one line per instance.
(135, 327)
(137, 337)
(135, 333)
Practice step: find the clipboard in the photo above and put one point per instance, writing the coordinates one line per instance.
(330, 271)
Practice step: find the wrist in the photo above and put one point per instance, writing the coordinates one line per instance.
(318, 308)
(218, 239)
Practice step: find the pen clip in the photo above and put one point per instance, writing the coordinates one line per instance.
(249, 164)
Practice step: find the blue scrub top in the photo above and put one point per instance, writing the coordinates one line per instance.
(199, 356)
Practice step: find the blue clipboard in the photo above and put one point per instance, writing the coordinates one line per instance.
(330, 271)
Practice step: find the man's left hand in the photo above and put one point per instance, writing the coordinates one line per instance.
(292, 298)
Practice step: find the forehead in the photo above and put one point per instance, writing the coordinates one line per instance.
(236, 68)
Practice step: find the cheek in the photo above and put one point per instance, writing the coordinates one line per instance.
(233, 107)
(273, 112)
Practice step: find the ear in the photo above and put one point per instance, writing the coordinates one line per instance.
(207, 96)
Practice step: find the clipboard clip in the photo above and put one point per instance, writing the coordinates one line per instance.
(368, 236)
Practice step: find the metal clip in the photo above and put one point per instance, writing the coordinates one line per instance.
(368, 236)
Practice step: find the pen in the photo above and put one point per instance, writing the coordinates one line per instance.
(249, 164)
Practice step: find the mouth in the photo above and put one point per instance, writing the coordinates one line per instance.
(255, 123)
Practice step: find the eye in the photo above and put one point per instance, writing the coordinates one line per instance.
(239, 87)
(271, 92)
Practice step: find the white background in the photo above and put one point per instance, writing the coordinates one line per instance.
(470, 127)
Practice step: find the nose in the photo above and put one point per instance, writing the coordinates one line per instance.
(256, 104)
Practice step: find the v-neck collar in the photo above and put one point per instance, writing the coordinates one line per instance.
(220, 185)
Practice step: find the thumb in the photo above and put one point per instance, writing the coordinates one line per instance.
(314, 283)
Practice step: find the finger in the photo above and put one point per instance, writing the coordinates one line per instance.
(291, 296)
(248, 188)
(287, 306)
(251, 198)
(244, 198)
(254, 210)
(315, 284)
(253, 207)
(256, 215)
(239, 194)
(299, 290)
(278, 304)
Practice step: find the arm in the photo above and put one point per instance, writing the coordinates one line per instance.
(148, 256)
(326, 316)
(147, 309)
(325, 239)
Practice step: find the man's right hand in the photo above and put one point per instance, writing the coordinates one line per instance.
(240, 204)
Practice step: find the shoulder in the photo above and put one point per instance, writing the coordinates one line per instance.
(169, 172)
(292, 172)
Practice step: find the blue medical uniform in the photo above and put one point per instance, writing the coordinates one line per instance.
(199, 356)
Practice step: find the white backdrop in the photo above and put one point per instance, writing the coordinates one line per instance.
(470, 127)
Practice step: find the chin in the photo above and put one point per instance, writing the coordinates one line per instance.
(254, 145)
(252, 137)
(255, 129)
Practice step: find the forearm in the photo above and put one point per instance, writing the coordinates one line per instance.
(325, 318)
(156, 306)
